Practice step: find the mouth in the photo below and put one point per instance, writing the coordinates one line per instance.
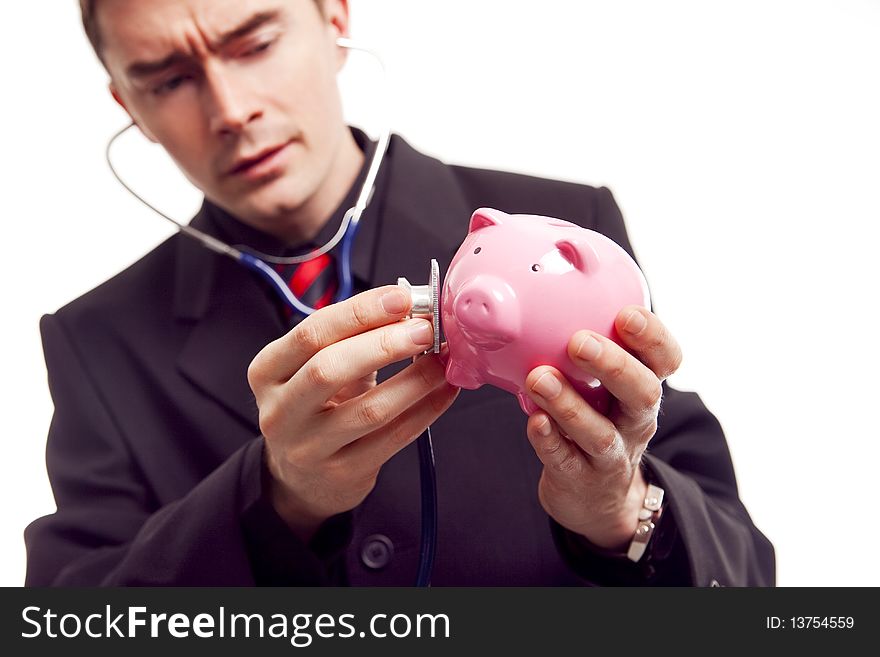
(261, 163)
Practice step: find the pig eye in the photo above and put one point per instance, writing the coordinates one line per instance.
(477, 250)
(536, 267)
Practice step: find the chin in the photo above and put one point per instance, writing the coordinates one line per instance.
(281, 196)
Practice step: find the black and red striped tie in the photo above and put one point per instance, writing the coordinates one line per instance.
(314, 281)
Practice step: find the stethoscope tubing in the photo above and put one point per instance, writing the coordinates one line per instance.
(281, 287)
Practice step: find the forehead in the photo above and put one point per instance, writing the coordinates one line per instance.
(137, 29)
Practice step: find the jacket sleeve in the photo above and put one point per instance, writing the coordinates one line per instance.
(707, 537)
(109, 530)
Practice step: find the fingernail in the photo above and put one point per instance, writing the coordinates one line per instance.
(544, 429)
(589, 348)
(394, 302)
(548, 386)
(635, 322)
(421, 333)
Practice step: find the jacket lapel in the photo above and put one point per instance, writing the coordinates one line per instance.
(423, 215)
(231, 321)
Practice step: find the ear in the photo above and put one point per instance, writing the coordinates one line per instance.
(486, 217)
(118, 98)
(580, 254)
(336, 15)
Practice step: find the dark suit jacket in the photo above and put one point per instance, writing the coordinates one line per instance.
(155, 457)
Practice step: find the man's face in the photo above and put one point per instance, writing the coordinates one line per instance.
(241, 93)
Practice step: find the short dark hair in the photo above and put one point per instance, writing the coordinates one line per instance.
(90, 23)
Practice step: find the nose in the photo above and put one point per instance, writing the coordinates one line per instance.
(487, 307)
(474, 305)
(231, 104)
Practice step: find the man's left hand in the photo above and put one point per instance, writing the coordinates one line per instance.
(592, 483)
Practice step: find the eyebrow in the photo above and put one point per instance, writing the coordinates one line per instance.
(145, 69)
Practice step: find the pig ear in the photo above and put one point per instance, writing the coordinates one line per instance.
(486, 217)
(579, 253)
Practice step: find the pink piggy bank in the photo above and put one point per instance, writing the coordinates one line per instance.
(516, 291)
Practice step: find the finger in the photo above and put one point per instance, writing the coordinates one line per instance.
(378, 407)
(337, 365)
(594, 433)
(376, 448)
(555, 451)
(636, 387)
(643, 333)
(355, 388)
(279, 360)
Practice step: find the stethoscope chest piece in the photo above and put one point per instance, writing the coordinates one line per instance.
(426, 300)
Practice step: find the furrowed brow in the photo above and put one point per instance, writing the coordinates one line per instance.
(140, 70)
(256, 21)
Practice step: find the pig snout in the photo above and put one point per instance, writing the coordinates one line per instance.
(487, 311)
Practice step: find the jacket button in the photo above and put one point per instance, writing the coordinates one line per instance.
(377, 551)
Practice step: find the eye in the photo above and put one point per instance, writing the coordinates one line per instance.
(477, 250)
(257, 49)
(536, 267)
(170, 84)
(256, 44)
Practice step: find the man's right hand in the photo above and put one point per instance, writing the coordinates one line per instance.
(328, 427)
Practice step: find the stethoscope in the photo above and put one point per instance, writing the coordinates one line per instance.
(425, 298)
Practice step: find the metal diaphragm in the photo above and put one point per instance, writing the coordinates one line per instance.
(426, 300)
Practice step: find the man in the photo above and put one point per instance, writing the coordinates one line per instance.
(164, 469)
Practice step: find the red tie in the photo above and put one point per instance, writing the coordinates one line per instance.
(314, 281)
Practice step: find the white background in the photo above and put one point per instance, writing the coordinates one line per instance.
(741, 140)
